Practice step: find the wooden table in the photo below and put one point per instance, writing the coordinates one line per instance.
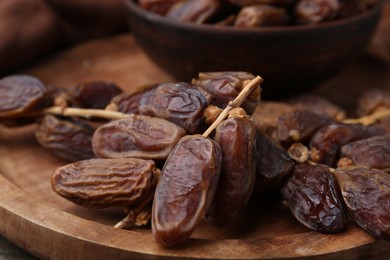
(118, 59)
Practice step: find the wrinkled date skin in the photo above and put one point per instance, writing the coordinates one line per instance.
(236, 137)
(127, 102)
(298, 126)
(69, 139)
(273, 163)
(366, 193)
(181, 103)
(318, 105)
(102, 183)
(326, 143)
(186, 188)
(225, 86)
(313, 197)
(157, 6)
(136, 136)
(95, 94)
(315, 11)
(262, 15)
(21, 95)
(199, 12)
(373, 152)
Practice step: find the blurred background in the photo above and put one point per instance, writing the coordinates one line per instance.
(33, 29)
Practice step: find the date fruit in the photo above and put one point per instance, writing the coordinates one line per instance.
(273, 163)
(326, 143)
(94, 94)
(102, 183)
(366, 193)
(186, 188)
(313, 197)
(236, 137)
(69, 139)
(180, 103)
(373, 152)
(262, 15)
(298, 126)
(136, 136)
(22, 95)
(226, 85)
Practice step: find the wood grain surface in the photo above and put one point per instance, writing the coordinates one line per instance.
(33, 217)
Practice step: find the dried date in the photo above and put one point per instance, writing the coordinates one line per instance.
(273, 163)
(94, 94)
(262, 15)
(315, 11)
(236, 137)
(225, 86)
(181, 103)
(22, 95)
(157, 6)
(102, 183)
(326, 143)
(373, 152)
(69, 139)
(298, 126)
(314, 198)
(198, 11)
(136, 136)
(366, 193)
(186, 188)
(318, 105)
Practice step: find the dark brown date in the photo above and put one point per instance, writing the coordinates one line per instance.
(262, 15)
(315, 11)
(373, 100)
(186, 188)
(236, 137)
(366, 193)
(136, 136)
(318, 105)
(128, 102)
(326, 143)
(255, 2)
(225, 86)
(94, 94)
(314, 199)
(157, 6)
(69, 139)
(102, 183)
(22, 95)
(266, 116)
(373, 152)
(273, 163)
(198, 11)
(181, 103)
(298, 126)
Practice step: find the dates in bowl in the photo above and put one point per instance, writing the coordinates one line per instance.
(293, 45)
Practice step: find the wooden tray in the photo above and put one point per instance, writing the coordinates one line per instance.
(36, 219)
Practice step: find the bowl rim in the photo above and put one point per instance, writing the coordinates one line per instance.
(134, 8)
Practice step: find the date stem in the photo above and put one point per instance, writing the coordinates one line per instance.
(86, 113)
(234, 103)
(368, 120)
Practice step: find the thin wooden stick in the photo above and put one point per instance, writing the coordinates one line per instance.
(234, 103)
(368, 120)
(86, 113)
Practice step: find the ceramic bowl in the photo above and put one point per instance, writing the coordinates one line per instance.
(290, 58)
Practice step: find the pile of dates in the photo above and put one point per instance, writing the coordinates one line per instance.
(257, 13)
(148, 153)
